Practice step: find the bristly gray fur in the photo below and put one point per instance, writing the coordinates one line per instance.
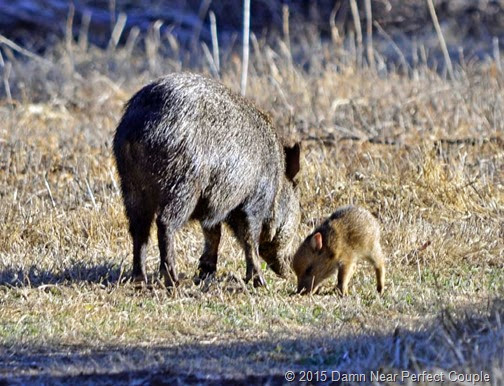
(188, 148)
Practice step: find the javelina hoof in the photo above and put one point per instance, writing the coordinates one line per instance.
(257, 277)
(170, 284)
(342, 292)
(197, 280)
(169, 281)
(203, 276)
(205, 271)
(139, 280)
(258, 281)
(302, 291)
(281, 270)
(305, 291)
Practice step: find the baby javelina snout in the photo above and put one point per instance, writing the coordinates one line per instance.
(349, 234)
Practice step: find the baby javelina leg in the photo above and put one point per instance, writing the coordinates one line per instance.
(349, 234)
(345, 273)
(377, 260)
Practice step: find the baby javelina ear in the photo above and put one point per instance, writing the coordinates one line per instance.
(316, 241)
(349, 234)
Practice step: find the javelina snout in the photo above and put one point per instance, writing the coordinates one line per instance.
(188, 148)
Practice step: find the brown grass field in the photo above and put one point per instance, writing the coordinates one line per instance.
(423, 153)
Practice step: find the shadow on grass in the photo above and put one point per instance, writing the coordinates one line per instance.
(466, 341)
(105, 274)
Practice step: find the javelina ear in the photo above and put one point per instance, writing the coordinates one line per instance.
(292, 155)
(316, 241)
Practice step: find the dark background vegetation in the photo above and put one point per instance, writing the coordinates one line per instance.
(470, 24)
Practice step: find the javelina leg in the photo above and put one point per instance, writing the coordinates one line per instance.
(247, 232)
(166, 252)
(253, 269)
(379, 265)
(380, 278)
(208, 260)
(345, 273)
(140, 221)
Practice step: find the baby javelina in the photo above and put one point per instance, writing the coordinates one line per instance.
(349, 234)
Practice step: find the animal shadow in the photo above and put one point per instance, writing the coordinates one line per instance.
(106, 274)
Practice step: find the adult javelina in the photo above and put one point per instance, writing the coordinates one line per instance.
(188, 148)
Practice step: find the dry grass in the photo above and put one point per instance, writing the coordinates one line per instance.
(385, 142)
